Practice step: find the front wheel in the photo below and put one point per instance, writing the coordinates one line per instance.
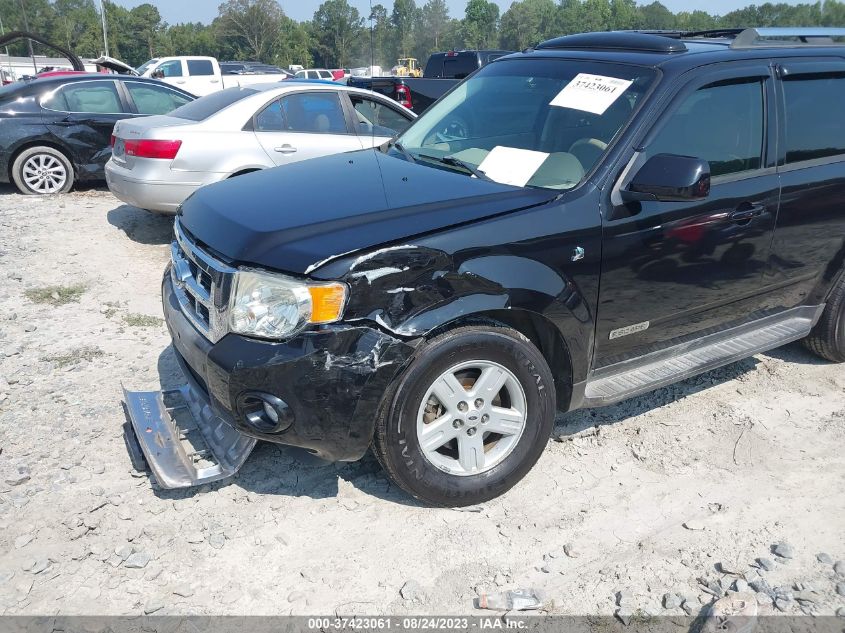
(468, 418)
(42, 170)
(827, 339)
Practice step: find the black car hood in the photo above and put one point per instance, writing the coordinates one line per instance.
(297, 217)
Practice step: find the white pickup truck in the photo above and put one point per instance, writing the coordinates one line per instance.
(198, 75)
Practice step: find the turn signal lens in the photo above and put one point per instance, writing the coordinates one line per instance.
(327, 302)
(148, 148)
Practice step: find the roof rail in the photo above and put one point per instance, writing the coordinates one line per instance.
(788, 36)
(654, 42)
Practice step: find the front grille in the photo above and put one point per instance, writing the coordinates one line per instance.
(202, 284)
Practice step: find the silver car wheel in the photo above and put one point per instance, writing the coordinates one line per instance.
(44, 173)
(471, 418)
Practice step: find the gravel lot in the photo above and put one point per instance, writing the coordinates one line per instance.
(693, 481)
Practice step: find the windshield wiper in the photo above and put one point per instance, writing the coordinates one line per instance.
(402, 149)
(457, 162)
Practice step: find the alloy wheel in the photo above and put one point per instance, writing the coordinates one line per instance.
(44, 173)
(471, 418)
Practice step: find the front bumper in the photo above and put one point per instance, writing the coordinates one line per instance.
(332, 380)
(160, 196)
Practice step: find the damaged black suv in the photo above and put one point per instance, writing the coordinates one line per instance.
(571, 226)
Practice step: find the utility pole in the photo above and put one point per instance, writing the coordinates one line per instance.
(28, 41)
(105, 28)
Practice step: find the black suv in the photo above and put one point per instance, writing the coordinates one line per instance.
(569, 227)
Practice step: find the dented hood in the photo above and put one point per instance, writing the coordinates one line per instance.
(295, 218)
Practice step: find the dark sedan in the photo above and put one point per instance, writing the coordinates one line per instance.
(56, 131)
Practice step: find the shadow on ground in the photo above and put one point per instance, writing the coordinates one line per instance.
(142, 226)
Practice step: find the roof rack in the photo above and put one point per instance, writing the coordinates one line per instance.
(788, 37)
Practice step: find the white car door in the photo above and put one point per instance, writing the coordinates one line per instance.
(202, 80)
(304, 125)
(377, 121)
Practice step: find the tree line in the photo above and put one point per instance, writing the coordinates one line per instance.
(338, 35)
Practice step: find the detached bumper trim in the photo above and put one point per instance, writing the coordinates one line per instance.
(183, 441)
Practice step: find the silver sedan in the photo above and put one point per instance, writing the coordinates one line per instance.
(159, 161)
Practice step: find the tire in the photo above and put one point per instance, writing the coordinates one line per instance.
(464, 462)
(828, 336)
(42, 170)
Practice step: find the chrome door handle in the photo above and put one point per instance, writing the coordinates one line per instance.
(744, 213)
(180, 81)
(215, 81)
(285, 149)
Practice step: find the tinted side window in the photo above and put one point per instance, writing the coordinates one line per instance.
(721, 123)
(200, 67)
(173, 68)
(315, 113)
(459, 67)
(434, 66)
(98, 97)
(152, 99)
(271, 119)
(814, 124)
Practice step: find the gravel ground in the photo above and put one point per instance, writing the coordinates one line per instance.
(692, 483)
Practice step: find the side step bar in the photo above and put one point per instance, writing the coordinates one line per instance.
(183, 441)
(627, 379)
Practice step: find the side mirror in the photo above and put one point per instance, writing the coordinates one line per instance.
(670, 178)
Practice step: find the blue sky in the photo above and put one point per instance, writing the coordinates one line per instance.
(174, 11)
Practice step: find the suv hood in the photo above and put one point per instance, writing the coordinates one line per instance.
(301, 216)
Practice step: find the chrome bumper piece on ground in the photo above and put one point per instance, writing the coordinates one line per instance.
(183, 441)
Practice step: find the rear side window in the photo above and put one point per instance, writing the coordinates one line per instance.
(200, 67)
(314, 113)
(204, 107)
(98, 97)
(152, 99)
(721, 123)
(434, 67)
(814, 122)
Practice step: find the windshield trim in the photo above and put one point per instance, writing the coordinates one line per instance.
(608, 158)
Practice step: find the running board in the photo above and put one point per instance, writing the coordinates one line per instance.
(634, 377)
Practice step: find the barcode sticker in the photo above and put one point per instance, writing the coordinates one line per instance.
(591, 93)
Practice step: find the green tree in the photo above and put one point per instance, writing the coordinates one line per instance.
(337, 30)
(480, 24)
(657, 16)
(402, 22)
(527, 23)
(434, 24)
(294, 45)
(253, 24)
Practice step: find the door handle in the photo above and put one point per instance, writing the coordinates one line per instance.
(215, 81)
(747, 212)
(180, 81)
(285, 149)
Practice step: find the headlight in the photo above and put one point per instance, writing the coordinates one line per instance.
(273, 306)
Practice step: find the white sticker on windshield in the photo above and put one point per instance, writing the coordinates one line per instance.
(512, 166)
(591, 93)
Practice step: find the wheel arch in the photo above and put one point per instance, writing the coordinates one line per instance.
(243, 171)
(536, 328)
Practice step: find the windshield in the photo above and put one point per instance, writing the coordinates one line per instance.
(529, 122)
(144, 67)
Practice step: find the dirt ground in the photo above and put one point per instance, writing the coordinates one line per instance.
(694, 481)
